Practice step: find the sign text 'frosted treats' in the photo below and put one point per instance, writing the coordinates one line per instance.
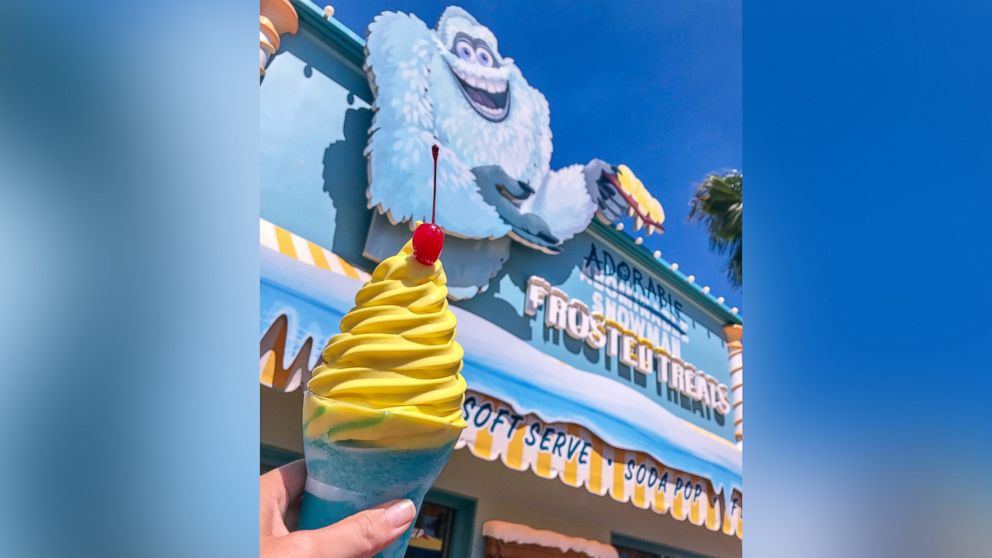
(574, 317)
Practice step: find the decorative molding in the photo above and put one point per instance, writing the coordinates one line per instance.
(276, 17)
(515, 540)
(735, 350)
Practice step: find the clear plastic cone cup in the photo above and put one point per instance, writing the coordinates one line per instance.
(343, 480)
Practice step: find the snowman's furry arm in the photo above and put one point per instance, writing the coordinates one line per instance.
(400, 54)
(563, 199)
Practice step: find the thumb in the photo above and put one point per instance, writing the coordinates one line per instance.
(363, 534)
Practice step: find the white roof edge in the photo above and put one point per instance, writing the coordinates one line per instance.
(516, 533)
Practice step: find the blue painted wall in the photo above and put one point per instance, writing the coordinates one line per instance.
(314, 120)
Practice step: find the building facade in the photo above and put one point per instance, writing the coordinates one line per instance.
(605, 402)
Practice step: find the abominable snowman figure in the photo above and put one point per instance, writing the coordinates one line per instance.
(452, 87)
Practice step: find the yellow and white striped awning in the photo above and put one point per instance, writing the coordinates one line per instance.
(294, 246)
(578, 458)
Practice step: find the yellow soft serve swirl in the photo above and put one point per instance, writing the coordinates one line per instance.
(392, 377)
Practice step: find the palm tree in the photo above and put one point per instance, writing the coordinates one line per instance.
(719, 203)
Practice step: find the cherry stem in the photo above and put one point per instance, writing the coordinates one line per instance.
(434, 150)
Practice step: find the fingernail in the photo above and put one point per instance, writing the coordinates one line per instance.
(401, 513)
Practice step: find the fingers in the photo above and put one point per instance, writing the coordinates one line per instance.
(285, 483)
(533, 241)
(493, 181)
(277, 490)
(361, 535)
(611, 203)
(291, 519)
(514, 190)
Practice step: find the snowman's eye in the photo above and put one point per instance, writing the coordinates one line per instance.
(484, 57)
(464, 50)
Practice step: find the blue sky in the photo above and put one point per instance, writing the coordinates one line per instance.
(653, 85)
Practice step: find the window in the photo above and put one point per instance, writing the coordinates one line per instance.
(272, 457)
(627, 552)
(628, 547)
(444, 527)
(432, 532)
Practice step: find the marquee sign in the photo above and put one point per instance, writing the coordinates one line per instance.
(662, 359)
(580, 459)
(612, 312)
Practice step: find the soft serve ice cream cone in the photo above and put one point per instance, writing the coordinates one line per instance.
(382, 413)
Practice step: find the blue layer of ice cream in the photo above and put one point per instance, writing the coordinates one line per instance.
(342, 481)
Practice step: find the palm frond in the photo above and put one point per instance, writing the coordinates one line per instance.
(719, 204)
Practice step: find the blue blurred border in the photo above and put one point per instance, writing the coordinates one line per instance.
(867, 344)
(129, 209)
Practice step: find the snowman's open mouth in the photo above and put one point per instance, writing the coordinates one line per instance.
(489, 97)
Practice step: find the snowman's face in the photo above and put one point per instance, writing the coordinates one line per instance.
(481, 73)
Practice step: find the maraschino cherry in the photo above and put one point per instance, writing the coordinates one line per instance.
(428, 239)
